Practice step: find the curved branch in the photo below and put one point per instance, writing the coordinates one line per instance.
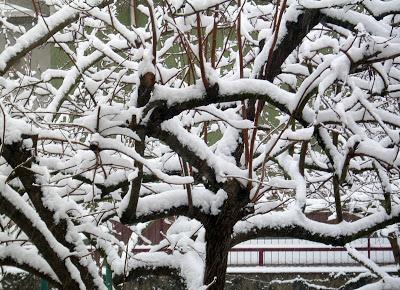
(37, 36)
(29, 261)
(53, 240)
(296, 225)
(12, 205)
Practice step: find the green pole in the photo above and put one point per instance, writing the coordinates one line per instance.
(108, 278)
(44, 285)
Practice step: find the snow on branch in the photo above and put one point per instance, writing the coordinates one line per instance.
(28, 260)
(296, 224)
(233, 120)
(42, 31)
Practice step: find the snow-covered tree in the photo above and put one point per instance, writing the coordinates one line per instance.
(233, 118)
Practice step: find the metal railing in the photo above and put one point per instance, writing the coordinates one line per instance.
(293, 252)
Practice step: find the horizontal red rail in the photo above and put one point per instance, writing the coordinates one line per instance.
(309, 249)
(142, 250)
(262, 250)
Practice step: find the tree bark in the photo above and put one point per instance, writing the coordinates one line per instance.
(395, 249)
(218, 238)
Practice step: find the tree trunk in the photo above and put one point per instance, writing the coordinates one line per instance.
(395, 249)
(218, 238)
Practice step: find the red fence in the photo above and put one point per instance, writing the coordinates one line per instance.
(261, 252)
(300, 253)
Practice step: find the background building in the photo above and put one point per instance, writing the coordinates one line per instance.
(23, 15)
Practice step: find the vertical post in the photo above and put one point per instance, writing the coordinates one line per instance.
(108, 278)
(369, 247)
(44, 285)
(260, 257)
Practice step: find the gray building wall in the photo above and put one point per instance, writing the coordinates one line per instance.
(40, 58)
